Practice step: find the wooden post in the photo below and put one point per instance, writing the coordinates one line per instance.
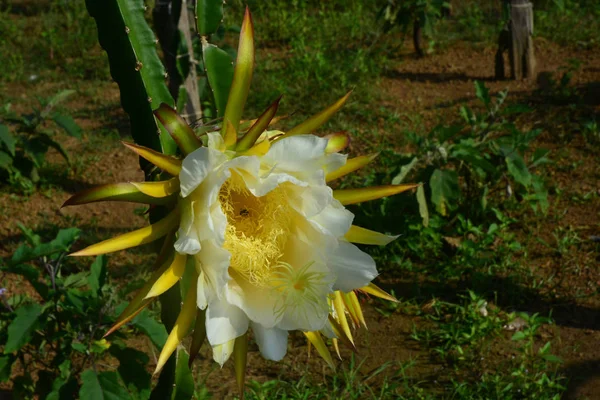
(517, 40)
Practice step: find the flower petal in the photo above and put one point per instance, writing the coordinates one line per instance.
(196, 166)
(256, 302)
(187, 235)
(353, 267)
(222, 352)
(334, 220)
(224, 322)
(271, 342)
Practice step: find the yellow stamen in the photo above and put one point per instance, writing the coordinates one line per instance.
(257, 229)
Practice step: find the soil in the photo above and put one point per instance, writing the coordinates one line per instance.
(431, 87)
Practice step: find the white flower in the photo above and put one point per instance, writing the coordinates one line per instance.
(267, 236)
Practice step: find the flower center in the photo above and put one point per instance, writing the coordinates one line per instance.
(257, 229)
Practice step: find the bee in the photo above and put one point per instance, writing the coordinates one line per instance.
(244, 212)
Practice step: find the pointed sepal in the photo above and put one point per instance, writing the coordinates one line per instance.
(181, 132)
(340, 312)
(138, 237)
(230, 136)
(127, 192)
(168, 164)
(198, 336)
(359, 235)
(182, 325)
(317, 120)
(376, 291)
(351, 165)
(242, 74)
(240, 359)
(337, 142)
(353, 196)
(316, 340)
(248, 140)
(158, 189)
(356, 308)
(169, 277)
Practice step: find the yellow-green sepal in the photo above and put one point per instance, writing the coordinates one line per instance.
(179, 130)
(182, 326)
(250, 137)
(376, 291)
(168, 164)
(198, 336)
(127, 192)
(353, 196)
(316, 340)
(240, 360)
(158, 189)
(359, 235)
(317, 120)
(351, 165)
(135, 238)
(169, 277)
(337, 142)
(242, 75)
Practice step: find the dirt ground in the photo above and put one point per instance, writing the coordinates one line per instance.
(431, 87)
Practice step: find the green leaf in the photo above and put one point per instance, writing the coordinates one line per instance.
(404, 170)
(77, 300)
(552, 358)
(219, 70)
(21, 328)
(444, 190)
(59, 97)
(6, 161)
(49, 142)
(151, 327)
(97, 277)
(520, 335)
(209, 14)
(102, 386)
(75, 280)
(62, 243)
(8, 139)
(68, 124)
(482, 93)
(423, 210)
(32, 238)
(80, 347)
(6, 363)
(517, 168)
(132, 368)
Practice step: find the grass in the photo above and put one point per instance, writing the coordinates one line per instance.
(468, 278)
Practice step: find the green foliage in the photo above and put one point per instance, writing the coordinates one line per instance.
(56, 333)
(463, 163)
(23, 151)
(418, 14)
(65, 41)
(569, 22)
